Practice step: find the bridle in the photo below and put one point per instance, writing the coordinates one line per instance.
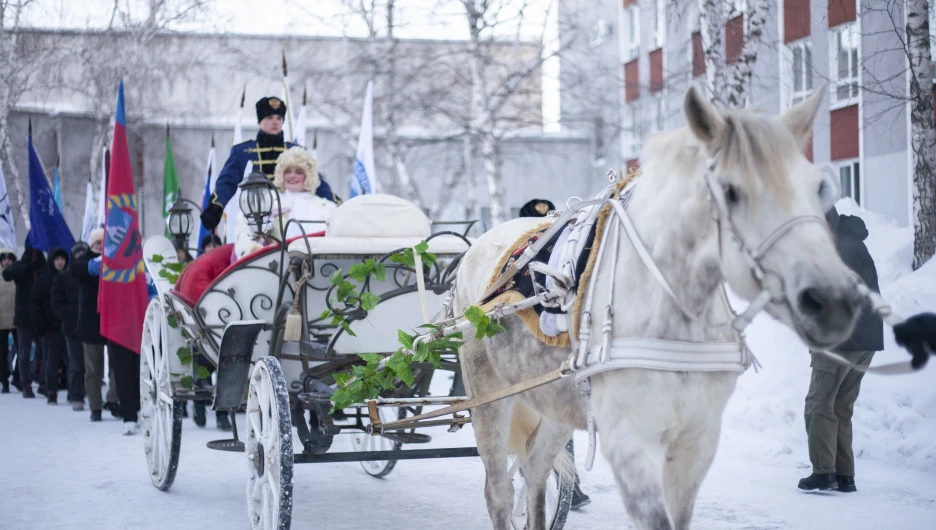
(769, 292)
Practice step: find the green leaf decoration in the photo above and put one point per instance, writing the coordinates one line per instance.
(185, 354)
(173, 323)
(203, 373)
(188, 382)
(156, 258)
(369, 301)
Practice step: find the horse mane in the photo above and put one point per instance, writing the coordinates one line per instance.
(756, 151)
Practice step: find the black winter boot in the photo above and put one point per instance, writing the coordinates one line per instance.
(198, 413)
(114, 409)
(823, 482)
(223, 422)
(95, 415)
(28, 392)
(579, 499)
(6, 388)
(846, 484)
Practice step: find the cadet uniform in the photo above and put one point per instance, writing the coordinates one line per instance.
(263, 152)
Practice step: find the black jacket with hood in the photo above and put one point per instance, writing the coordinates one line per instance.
(65, 293)
(45, 320)
(850, 233)
(89, 320)
(23, 273)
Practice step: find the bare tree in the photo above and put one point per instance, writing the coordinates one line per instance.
(19, 64)
(495, 84)
(728, 84)
(923, 130)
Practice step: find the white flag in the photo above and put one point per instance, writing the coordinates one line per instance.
(289, 127)
(102, 194)
(238, 130)
(301, 127)
(88, 220)
(364, 178)
(7, 229)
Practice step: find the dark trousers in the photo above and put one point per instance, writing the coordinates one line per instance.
(55, 357)
(76, 389)
(126, 366)
(830, 402)
(6, 356)
(24, 342)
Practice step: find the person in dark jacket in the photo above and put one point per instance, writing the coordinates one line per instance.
(833, 388)
(47, 325)
(65, 294)
(89, 326)
(537, 208)
(23, 274)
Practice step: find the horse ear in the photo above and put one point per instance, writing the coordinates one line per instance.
(799, 119)
(703, 118)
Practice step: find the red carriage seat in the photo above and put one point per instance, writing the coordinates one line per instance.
(202, 273)
(195, 279)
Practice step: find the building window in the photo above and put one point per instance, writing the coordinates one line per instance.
(659, 23)
(850, 179)
(799, 71)
(631, 33)
(844, 47)
(632, 136)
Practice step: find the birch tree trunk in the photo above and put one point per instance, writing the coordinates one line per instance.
(740, 77)
(923, 132)
(482, 123)
(471, 192)
(712, 30)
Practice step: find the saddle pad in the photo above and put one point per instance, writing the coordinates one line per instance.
(520, 286)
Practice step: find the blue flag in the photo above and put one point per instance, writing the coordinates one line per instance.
(57, 190)
(48, 228)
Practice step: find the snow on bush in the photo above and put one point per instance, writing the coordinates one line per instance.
(895, 416)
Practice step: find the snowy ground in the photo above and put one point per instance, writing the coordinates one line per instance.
(60, 471)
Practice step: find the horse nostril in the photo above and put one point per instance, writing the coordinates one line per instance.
(811, 301)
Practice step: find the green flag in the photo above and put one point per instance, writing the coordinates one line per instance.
(170, 181)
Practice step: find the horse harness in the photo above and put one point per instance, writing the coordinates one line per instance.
(658, 354)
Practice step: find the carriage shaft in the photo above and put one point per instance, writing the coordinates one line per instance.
(372, 456)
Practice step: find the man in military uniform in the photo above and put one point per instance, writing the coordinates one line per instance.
(262, 151)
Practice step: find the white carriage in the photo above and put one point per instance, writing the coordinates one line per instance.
(235, 318)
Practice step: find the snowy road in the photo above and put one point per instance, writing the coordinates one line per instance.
(62, 472)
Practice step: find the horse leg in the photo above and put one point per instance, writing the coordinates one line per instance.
(688, 459)
(548, 440)
(637, 470)
(491, 424)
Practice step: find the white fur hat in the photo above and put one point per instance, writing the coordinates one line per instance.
(96, 236)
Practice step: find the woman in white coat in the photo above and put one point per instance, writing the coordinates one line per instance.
(296, 179)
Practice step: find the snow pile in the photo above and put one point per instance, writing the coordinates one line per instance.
(895, 416)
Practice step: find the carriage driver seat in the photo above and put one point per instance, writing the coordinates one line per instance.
(378, 215)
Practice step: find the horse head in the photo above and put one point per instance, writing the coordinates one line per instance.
(769, 204)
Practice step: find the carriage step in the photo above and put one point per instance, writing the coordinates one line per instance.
(231, 446)
(407, 437)
(375, 456)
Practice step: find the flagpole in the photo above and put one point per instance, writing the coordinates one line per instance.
(289, 120)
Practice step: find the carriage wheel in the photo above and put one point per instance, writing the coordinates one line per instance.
(161, 415)
(558, 498)
(269, 448)
(366, 442)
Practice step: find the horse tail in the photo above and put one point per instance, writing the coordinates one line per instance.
(523, 422)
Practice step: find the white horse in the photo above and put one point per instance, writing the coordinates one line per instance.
(659, 430)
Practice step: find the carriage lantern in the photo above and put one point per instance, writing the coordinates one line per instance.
(180, 222)
(256, 199)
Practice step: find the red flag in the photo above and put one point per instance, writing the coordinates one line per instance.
(122, 297)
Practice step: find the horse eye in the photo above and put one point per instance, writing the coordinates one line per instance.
(732, 196)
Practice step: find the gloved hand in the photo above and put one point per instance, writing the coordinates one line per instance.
(918, 335)
(211, 216)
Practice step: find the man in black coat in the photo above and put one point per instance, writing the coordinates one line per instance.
(86, 270)
(47, 325)
(833, 388)
(23, 274)
(65, 295)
